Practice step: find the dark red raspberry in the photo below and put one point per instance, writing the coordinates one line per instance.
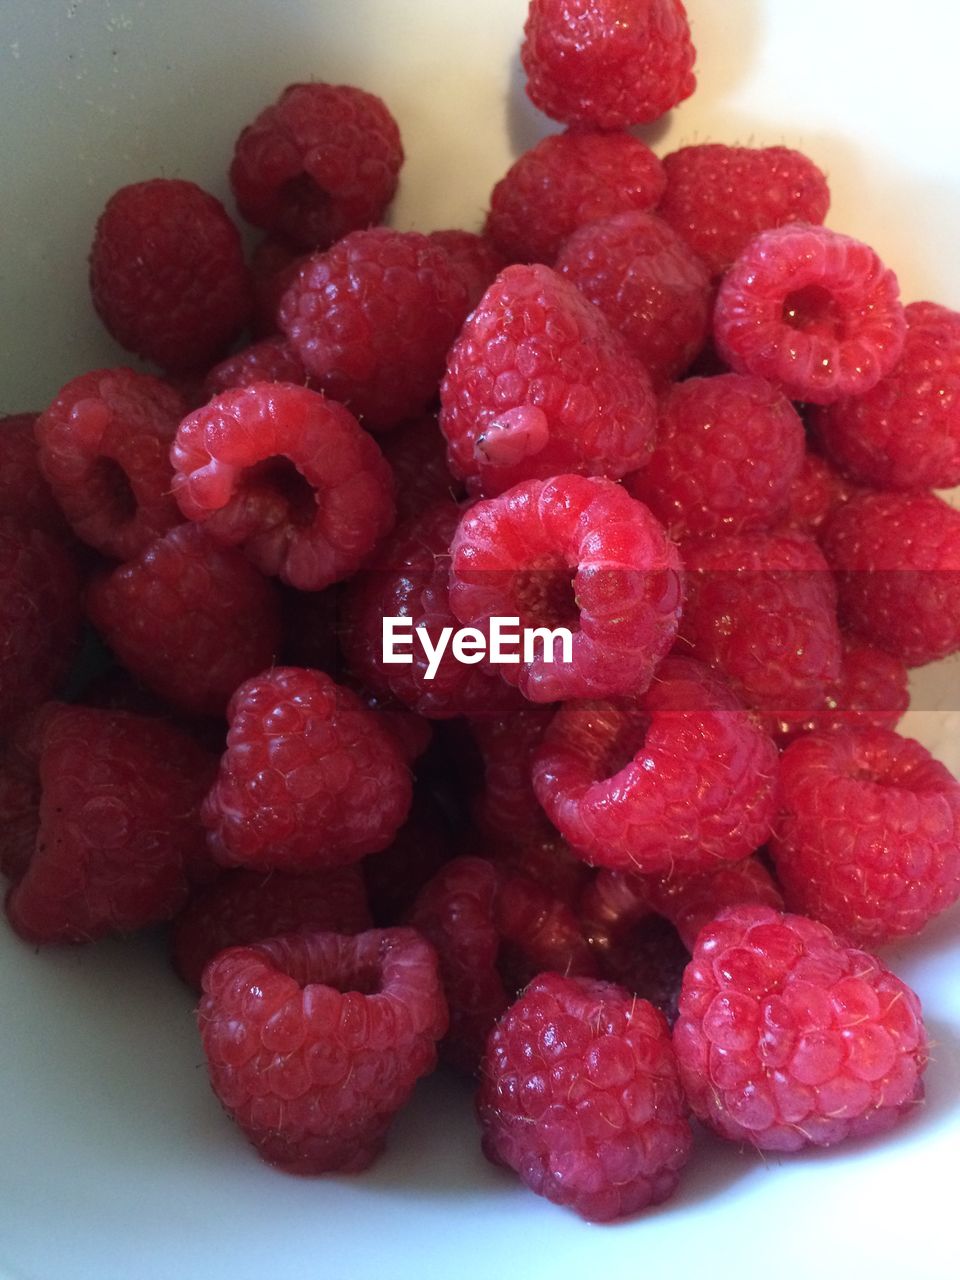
(244, 907)
(580, 1096)
(897, 562)
(417, 452)
(506, 806)
(729, 450)
(575, 552)
(104, 446)
(788, 1039)
(273, 268)
(412, 734)
(718, 197)
(538, 383)
(116, 832)
(868, 839)
(289, 476)
(167, 273)
(372, 320)
(690, 902)
(310, 780)
(566, 181)
(674, 780)
(315, 1041)
(546, 859)
(39, 617)
(25, 497)
(815, 494)
(189, 618)
(421, 847)
(269, 360)
(319, 162)
(812, 310)
(476, 260)
(762, 609)
(608, 63)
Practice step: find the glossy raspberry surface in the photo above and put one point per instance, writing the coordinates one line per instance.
(815, 494)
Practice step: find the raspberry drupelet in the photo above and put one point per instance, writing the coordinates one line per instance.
(575, 552)
(315, 1041)
(787, 1038)
(25, 496)
(506, 806)
(269, 360)
(539, 383)
(288, 475)
(812, 310)
(417, 453)
(815, 494)
(476, 260)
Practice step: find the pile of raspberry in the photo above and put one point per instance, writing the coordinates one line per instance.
(653, 401)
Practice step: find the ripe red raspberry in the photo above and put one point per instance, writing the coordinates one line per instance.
(815, 494)
(417, 453)
(25, 497)
(608, 63)
(273, 268)
(244, 907)
(167, 273)
(566, 181)
(476, 260)
(116, 832)
(729, 449)
(104, 448)
(394, 877)
(315, 1041)
(788, 1039)
(690, 902)
(897, 562)
(189, 618)
(310, 779)
(718, 197)
(39, 617)
(812, 310)
(762, 608)
(289, 476)
(674, 780)
(868, 839)
(321, 161)
(494, 931)
(269, 360)
(580, 1096)
(575, 552)
(506, 806)
(647, 283)
(372, 320)
(905, 433)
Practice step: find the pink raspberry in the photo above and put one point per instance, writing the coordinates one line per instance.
(506, 806)
(273, 268)
(788, 1039)
(674, 780)
(815, 494)
(417, 453)
(394, 877)
(812, 310)
(647, 283)
(372, 320)
(566, 181)
(310, 779)
(718, 197)
(25, 496)
(580, 1096)
(476, 260)
(608, 63)
(167, 274)
(315, 1041)
(289, 476)
(269, 360)
(539, 383)
(729, 449)
(575, 552)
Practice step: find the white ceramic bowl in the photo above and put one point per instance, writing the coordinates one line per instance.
(115, 1161)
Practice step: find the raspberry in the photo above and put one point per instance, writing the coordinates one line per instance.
(167, 274)
(506, 807)
(39, 617)
(905, 433)
(189, 618)
(372, 320)
(546, 859)
(815, 494)
(417, 453)
(412, 734)
(674, 780)
(718, 197)
(115, 831)
(321, 161)
(269, 360)
(394, 877)
(310, 779)
(608, 63)
(476, 260)
(580, 1096)
(315, 1041)
(567, 181)
(690, 902)
(897, 563)
(273, 268)
(575, 552)
(244, 907)
(788, 1039)
(287, 475)
(104, 449)
(762, 609)
(729, 449)
(812, 310)
(25, 496)
(869, 834)
(538, 383)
